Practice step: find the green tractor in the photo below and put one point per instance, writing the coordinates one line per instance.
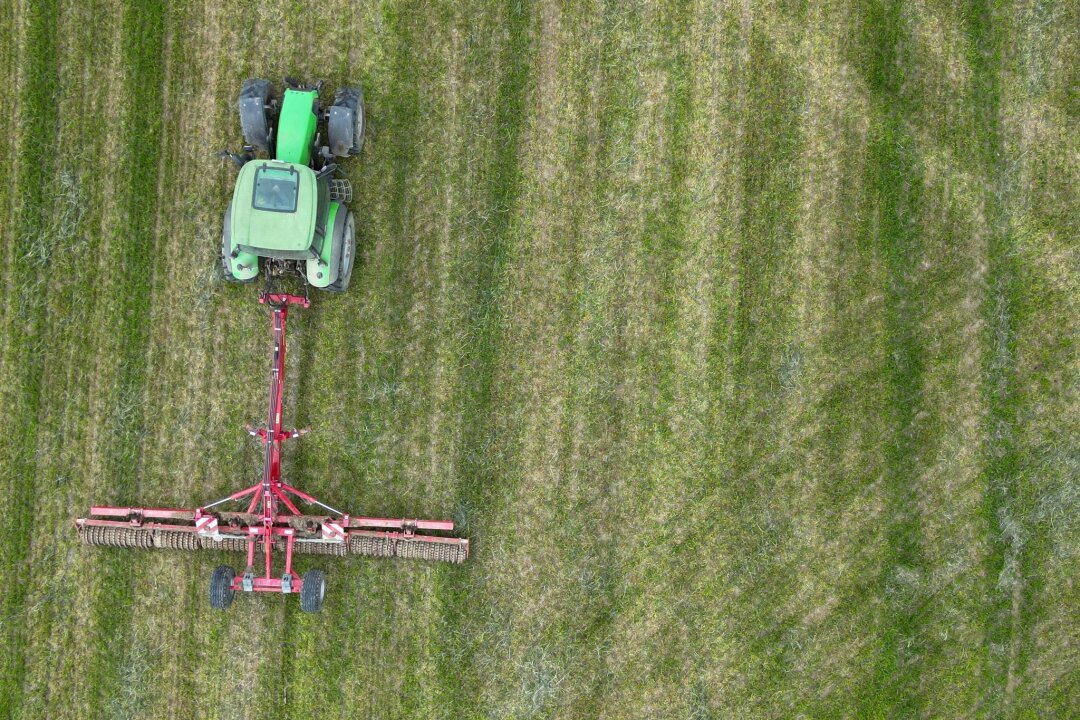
(288, 211)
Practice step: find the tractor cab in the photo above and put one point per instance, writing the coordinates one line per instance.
(288, 211)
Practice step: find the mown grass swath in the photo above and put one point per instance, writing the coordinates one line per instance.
(985, 41)
(35, 167)
(133, 254)
(892, 206)
(482, 481)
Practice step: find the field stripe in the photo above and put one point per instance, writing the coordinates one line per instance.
(35, 168)
(1039, 530)
(328, 346)
(62, 417)
(230, 659)
(1001, 638)
(173, 586)
(126, 325)
(9, 142)
(827, 371)
(53, 657)
(565, 281)
(525, 544)
(328, 462)
(758, 474)
(480, 456)
(894, 179)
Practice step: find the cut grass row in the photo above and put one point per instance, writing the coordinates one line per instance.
(55, 611)
(132, 254)
(1038, 175)
(894, 185)
(34, 167)
(987, 47)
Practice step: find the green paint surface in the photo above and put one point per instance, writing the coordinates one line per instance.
(295, 127)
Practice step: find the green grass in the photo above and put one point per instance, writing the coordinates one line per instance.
(24, 319)
(741, 341)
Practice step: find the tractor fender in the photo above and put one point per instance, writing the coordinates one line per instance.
(232, 265)
(341, 127)
(254, 123)
(331, 251)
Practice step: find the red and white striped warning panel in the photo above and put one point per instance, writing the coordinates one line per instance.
(206, 525)
(333, 531)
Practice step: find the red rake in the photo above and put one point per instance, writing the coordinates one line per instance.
(272, 520)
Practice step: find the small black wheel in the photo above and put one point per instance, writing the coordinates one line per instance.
(221, 592)
(348, 256)
(313, 591)
(346, 122)
(255, 120)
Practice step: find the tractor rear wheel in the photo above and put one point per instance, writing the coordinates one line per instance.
(346, 122)
(348, 256)
(221, 592)
(313, 591)
(226, 248)
(256, 114)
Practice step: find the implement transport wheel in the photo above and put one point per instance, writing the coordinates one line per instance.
(348, 255)
(313, 591)
(255, 119)
(346, 122)
(221, 592)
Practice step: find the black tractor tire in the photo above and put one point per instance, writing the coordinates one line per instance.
(313, 591)
(256, 114)
(348, 255)
(226, 248)
(346, 123)
(221, 592)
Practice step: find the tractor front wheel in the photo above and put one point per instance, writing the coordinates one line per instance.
(313, 591)
(221, 592)
(256, 113)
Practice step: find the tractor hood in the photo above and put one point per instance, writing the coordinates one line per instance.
(273, 209)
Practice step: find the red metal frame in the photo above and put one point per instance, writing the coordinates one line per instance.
(272, 517)
(271, 490)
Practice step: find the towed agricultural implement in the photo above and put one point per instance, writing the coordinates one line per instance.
(287, 215)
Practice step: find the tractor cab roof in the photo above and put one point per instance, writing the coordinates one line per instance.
(273, 209)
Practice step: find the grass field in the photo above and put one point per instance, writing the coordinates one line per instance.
(742, 339)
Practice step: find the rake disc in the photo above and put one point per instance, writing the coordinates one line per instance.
(382, 546)
(338, 549)
(228, 544)
(373, 546)
(439, 552)
(177, 540)
(107, 536)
